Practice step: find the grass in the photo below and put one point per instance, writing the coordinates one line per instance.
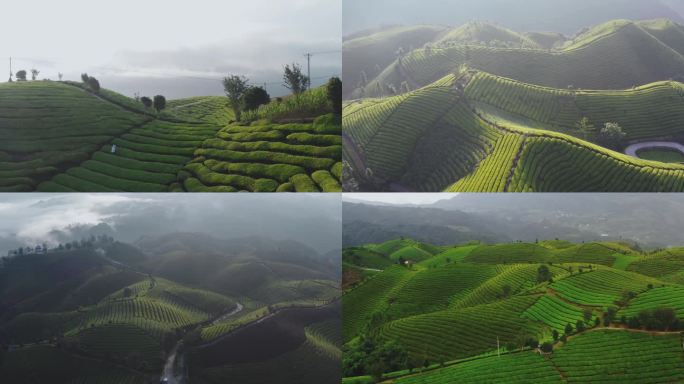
(311, 103)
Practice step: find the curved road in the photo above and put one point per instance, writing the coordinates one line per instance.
(169, 372)
(634, 148)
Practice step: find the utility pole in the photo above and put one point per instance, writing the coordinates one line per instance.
(10, 78)
(308, 69)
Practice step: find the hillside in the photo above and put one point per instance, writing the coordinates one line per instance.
(441, 318)
(131, 311)
(458, 135)
(615, 55)
(61, 137)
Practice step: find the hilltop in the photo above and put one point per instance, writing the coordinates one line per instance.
(614, 55)
(102, 310)
(444, 313)
(63, 137)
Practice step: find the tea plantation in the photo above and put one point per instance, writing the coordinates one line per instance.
(547, 312)
(463, 117)
(62, 137)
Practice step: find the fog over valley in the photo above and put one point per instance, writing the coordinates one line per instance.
(313, 220)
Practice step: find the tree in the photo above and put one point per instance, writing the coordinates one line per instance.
(127, 292)
(84, 78)
(568, 329)
(159, 102)
(579, 326)
(543, 274)
(255, 97)
(546, 347)
(506, 290)
(21, 75)
(555, 335)
(585, 127)
(34, 74)
(147, 102)
(94, 84)
(334, 89)
(586, 315)
(611, 135)
(60, 75)
(235, 88)
(294, 79)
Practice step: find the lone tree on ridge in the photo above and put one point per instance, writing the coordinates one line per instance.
(235, 87)
(295, 80)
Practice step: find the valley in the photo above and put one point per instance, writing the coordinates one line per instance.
(481, 108)
(122, 309)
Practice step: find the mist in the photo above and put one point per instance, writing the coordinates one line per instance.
(652, 220)
(564, 16)
(311, 219)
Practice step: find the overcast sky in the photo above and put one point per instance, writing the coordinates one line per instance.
(398, 198)
(312, 219)
(177, 48)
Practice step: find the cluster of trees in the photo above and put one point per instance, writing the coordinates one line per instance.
(91, 82)
(21, 75)
(245, 97)
(611, 135)
(158, 102)
(242, 96)
(659, 319)
(544, 274)
(372, 357)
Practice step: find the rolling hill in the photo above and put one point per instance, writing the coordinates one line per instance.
(477, 132)
(515, 313)
(615, 55)
(62, 137)
(136, 312)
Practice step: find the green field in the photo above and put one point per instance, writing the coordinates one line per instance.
(447, 318)
(61, 137)
(462, 117)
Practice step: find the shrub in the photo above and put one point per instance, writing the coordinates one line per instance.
(254, 97)
(334, 89)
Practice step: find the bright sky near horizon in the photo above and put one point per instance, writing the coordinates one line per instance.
(398, 198)
(155, 42)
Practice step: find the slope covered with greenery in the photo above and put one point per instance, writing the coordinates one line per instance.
(65, 137)
(105, 311)
(475, 132)
(515, 313)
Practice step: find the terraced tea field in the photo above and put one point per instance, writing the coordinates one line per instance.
(86, 313)
(453, 319)
(269, 158)
(469, 148)
(60, 137)
(604, 57)
(464, 117)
